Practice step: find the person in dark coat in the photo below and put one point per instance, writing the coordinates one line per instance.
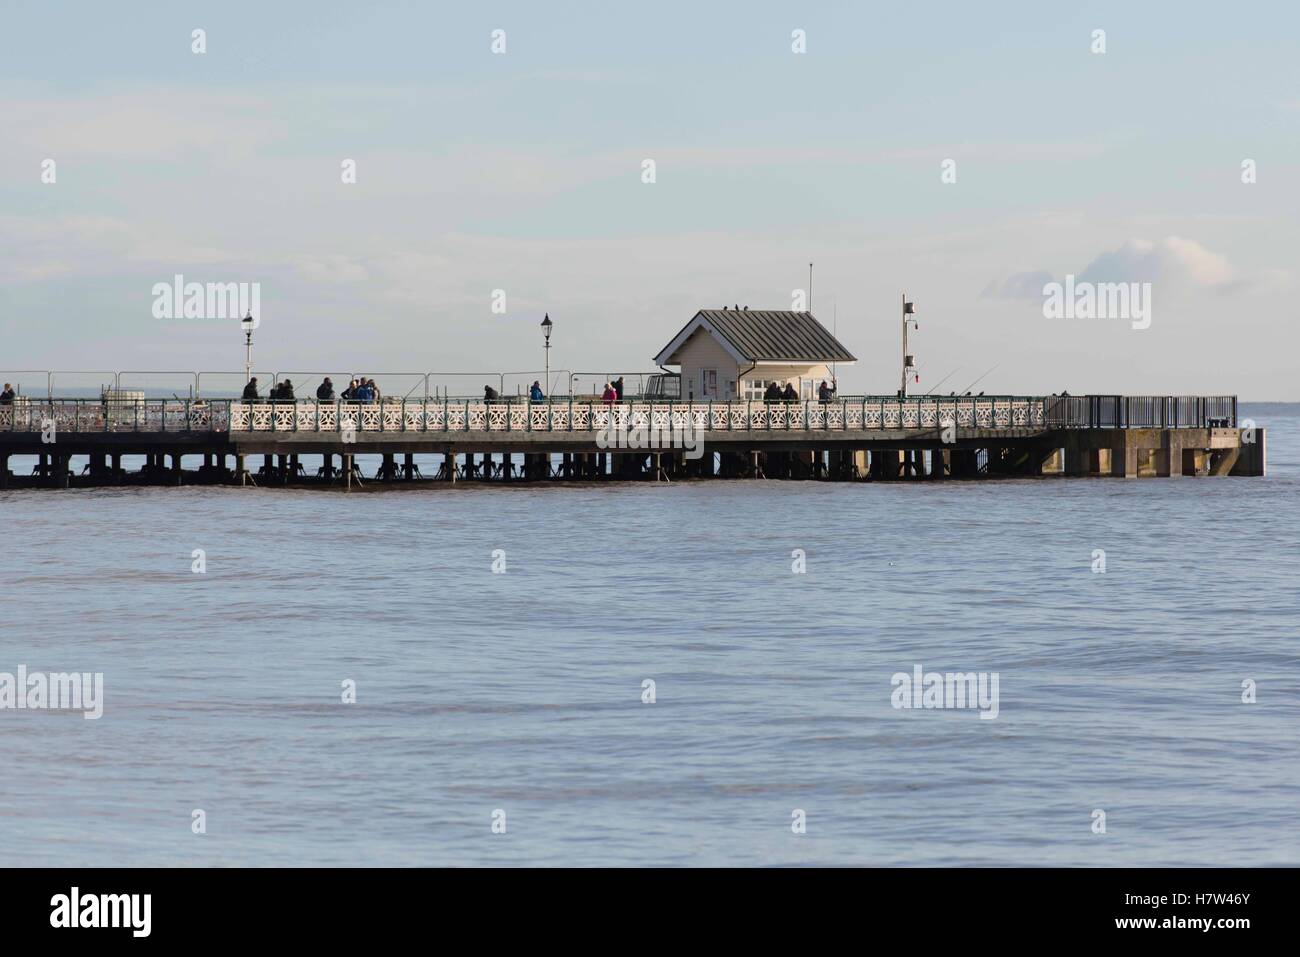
(286, 391)
(618, 388)
(773, 393)
(825, 392)
(325, 391)
(250, 390)
(490, 394)
(789, 394)
(7, 396)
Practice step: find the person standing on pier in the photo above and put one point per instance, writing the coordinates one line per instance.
(825, 392)
(618, 388)
(772, 393)
(325, 391)
(286, 391)
(7, 396)
(374, 390)
(250, 390)
(535, 394)
(609, 396)
(490, 394)
(789, 394)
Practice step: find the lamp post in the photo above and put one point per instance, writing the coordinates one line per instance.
(546, 334)
(909, 361)
(247, 325)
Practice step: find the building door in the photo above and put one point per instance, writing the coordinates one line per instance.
(709, 384)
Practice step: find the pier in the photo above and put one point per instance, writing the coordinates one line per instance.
(78, 442)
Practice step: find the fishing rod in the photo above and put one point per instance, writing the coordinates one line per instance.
(944, 379)
(979, 380)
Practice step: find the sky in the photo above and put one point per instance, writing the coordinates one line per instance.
(518, 178)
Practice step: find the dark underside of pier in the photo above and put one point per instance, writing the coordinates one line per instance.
(276, 458)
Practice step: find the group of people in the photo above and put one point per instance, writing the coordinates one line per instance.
(358, 390)
(774, 392)
(613, 392)
(364, 390)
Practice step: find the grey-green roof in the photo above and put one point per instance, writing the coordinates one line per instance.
(767, 335)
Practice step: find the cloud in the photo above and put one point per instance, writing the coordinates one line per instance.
(36, 249)
(1176, 263)
(332, 269)
(1022, 285)
(1141, 260)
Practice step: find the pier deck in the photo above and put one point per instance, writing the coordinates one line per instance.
(864, 437)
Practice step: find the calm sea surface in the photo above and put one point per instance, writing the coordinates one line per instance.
(522, 691)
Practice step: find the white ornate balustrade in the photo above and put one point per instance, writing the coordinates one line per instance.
(440, 415)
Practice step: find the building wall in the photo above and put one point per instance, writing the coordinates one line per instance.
(701, 352)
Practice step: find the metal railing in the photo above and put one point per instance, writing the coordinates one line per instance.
(122, 413)
(1141, 411)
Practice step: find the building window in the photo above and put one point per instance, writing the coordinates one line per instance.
(753, 389)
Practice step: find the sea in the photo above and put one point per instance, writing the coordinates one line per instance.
(700, 673)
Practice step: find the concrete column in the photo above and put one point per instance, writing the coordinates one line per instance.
(1124, 462)
(940, 463)
(1252, 457)
(1078, 461)
(890, 461)
(803, 463)
(1169, 457)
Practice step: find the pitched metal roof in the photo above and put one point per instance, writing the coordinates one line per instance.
(764, 335)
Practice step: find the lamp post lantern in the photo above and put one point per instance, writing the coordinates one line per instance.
(247, 325)
(546, 334)
(909, 361)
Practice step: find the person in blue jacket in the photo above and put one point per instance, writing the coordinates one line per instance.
(535, 394)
